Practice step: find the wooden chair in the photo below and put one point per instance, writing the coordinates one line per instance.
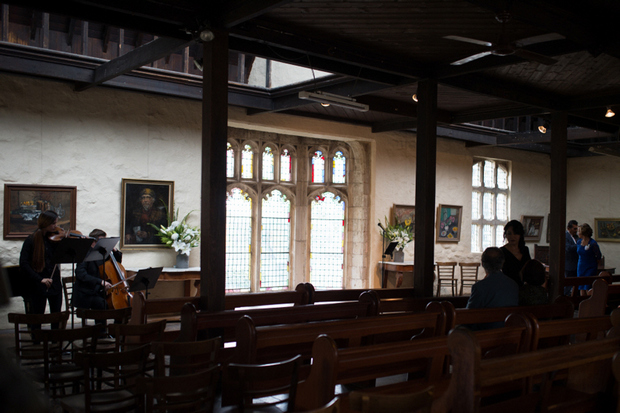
(392, 403)
(28, 349)
(113, 391)
(67, 290)
(173, 359)
(445, 276)
(469, 274)
(128, 336)
(59, 355)
(332, 407)
(104, 317)
(185, 393)
(249, 385)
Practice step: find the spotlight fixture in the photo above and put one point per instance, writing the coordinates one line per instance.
(542, 129)
(206, 35)
(415, 97)
(336, 100)
(610, 113)
(324, 104)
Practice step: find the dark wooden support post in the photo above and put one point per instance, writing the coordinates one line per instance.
(5, 23)
(213, 202)
(45, 31)
(85, 38)
(557, 219)
(426, 160)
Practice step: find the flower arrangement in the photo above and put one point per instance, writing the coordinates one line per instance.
(399, 233)
(178, 234)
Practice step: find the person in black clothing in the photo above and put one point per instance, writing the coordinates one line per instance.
(516, 254)
(38, 268)
(89, 290)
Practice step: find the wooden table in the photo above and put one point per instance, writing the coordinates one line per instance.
(398, 267)
(187, 275)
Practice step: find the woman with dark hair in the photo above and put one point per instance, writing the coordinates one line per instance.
(516, 254)
(589, 255)
(37, 266)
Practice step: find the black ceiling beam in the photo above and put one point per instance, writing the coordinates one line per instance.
(154, 50)
(240, 11)
(318, 45)
(293, 57)
(572, 134)
(496, 113)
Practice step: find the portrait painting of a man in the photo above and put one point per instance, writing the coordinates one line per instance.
(144, 203)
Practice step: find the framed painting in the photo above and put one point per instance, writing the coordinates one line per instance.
(144, 202)
(404, 215)
(533, 226)
(449, 223)
(24, 203)
(607, 229)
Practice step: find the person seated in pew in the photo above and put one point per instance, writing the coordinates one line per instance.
(89, 290)
(495, 290)
(532, 291)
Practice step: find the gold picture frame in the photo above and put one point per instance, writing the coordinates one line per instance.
(533, 226)
(449, 223)
(607, 229)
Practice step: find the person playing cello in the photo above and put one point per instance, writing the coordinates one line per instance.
(37, 266)
(89, 288)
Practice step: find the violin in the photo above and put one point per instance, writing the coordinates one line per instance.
(118, 296)
(61, 234)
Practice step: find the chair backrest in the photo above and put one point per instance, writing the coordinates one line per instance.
(129, 336)
(67, 289)
(469, 270)
(394, 403)
(59, 354)
(28, 350)
(243, 383)
(182, 358)
(192, 392)
(118, 316)
(446, 269)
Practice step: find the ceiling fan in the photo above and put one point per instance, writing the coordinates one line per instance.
(504, 47)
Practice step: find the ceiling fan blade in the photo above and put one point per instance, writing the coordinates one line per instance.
(539, 39)
(536, 57)
(469, 40)
(471, 58)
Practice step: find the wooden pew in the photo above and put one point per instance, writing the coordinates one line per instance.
(424, 358)
(224, 323)
(272, 343)
(299, 296)
(589, 366)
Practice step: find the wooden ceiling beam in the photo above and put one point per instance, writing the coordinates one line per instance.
(240, 11)
(154, 50)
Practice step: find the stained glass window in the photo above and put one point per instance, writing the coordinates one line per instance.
(489, 204)
(268, 165)
(275, 241)
(339, 168)
(230, 161)
(238, 240)
(285, 166)
(247, 162)
(327, 241)
(318, 167)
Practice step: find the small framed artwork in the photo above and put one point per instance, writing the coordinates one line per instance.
(607, 229)
(533, 227)
(144, 202)
(404, 215)
(449, 223)
(24, 203)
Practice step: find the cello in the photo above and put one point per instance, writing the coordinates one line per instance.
(118, 296)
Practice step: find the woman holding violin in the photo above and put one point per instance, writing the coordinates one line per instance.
(89, 290)
(37, 266)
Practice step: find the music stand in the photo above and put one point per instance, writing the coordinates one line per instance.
(145, 279)
(73, 251)
(102, 249)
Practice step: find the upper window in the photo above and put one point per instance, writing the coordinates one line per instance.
(230, 161)
(268, 164)
(247, 162)
(286, 166)
(339, 168)
(489, 204)
(318, 167)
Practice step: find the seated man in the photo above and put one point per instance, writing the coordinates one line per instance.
(495, 290)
